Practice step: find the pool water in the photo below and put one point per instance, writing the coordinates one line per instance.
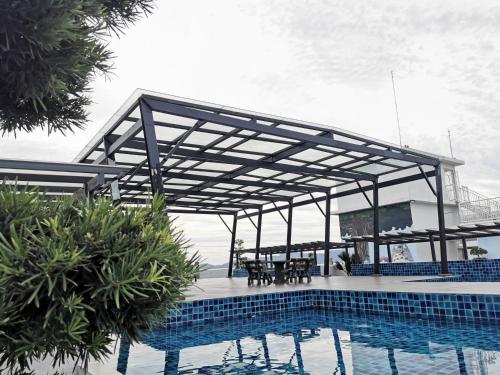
(317, 342)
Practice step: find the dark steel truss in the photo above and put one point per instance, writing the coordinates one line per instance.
(459, 233)
(57, 178)
(462, 231)
(208, 156)
(211, 159)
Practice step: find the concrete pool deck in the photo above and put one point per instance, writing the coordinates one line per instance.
(237, 286)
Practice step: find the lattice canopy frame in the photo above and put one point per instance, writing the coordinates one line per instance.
(211, 159)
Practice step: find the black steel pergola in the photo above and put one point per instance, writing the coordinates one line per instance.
(460, 233)
(216, 160)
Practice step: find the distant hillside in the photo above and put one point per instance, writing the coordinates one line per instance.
(208, 266)
(333, 255)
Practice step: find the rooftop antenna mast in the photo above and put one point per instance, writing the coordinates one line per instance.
(449, 140)
(396, 107)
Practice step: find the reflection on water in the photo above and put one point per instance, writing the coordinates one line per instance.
(316, 342)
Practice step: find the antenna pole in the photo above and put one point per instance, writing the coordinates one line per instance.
(449, 140)
(396, 107)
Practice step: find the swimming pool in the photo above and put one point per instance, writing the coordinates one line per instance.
(316, 341)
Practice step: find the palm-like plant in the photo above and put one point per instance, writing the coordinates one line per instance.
(73, 273)
(347, 261)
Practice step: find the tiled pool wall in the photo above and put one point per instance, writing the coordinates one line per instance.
(239, 306)
(469, 270)
(315, 271)
(403, 304)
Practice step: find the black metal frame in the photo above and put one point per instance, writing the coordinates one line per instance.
(460, 233)
(210, 159)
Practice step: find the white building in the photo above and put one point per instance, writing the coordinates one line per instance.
(409, 206)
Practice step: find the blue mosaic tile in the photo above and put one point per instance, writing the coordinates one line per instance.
(314, 341)
(469, 270)
(403, 304)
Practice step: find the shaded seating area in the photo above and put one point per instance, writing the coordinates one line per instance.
(295, 270)
(461, 233)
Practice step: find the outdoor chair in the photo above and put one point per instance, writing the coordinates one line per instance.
(267, 273)
(301, 268)
(257, 273)
(290, 271)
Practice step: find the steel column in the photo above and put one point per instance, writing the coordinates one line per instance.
(433, 249)
(326, 263)
(464, 248)
(376, 229)
(289, 231)
(441, 221)
(153, 156)
(389, 255)
(233, 242)
(110, 160)
(259, 229)
(109, 157)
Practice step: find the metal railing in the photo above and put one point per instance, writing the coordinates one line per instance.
(476, 207)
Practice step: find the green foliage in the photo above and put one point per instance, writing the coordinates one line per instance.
(347, 262)
(73, 273)
(478, 251)
(50, 50)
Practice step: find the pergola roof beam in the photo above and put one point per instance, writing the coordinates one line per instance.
(61, 167)
(243, 137)
(234, 181)
(120, 141)
(210, 205)
(33, 177)
(262, 197)
(199, 211)
(423, 235)
(175, 109)
(352, 191)
(207, 156)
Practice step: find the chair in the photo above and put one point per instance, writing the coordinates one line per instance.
(256, 271)
(267, 274)
(253, 273)
(301, 269)
(290, 273)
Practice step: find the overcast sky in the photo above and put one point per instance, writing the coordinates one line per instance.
(323, 61)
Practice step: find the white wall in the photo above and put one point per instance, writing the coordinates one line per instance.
(415, 190)
(423, 207)
(424, 216)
